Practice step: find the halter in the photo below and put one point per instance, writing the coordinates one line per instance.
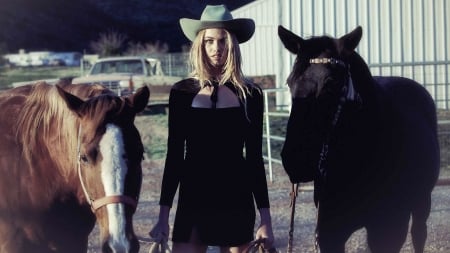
(332, 61)
(348, 94)
(97, 203)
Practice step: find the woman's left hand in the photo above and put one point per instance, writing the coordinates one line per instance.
(265, 232)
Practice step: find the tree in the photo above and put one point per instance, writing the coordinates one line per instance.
(3, 51)
(148, 48)
(110, 43)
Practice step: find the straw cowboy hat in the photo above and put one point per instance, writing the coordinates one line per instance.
(218, 16)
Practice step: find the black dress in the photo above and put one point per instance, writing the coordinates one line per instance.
(214, 156)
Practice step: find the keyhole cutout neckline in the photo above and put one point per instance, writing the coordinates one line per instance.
(215, 96)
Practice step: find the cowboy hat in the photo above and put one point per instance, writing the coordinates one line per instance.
(218, 16)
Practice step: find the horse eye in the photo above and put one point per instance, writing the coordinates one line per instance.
(84, 158)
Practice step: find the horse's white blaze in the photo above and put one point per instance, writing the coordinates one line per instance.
(114, 170)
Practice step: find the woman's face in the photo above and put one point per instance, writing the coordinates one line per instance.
(215, 44)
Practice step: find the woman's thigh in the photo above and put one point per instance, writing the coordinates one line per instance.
(180, 247)
(193, 246)
(238, 249)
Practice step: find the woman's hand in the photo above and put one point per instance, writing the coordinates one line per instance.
(160, 232)
(265, 229)
(265, 232)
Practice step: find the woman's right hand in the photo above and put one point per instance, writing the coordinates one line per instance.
(160, 232)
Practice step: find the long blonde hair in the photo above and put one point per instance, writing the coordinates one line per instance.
(231, 70)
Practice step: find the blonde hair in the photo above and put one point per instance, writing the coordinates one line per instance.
(231, 70)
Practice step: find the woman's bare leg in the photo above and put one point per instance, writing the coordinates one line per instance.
(238, 249)
(193, 246)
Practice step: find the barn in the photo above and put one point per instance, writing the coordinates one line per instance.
(409, 38)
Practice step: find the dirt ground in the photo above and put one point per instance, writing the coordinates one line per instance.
(147, 212)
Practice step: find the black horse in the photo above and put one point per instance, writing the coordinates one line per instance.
(369, 143)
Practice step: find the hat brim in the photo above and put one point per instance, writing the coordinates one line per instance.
(242, 28)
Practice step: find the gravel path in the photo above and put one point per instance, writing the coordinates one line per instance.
(147, 213)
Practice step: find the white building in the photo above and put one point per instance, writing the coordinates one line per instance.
(43, 58)
(409, 38)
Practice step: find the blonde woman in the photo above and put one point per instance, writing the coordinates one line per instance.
(214, 151)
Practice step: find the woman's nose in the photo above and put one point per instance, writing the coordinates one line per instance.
(215, 46)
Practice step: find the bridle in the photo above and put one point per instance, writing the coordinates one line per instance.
(98, 203)
(347, 94)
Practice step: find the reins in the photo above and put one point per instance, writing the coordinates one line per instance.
(293, 194)
(97, 203)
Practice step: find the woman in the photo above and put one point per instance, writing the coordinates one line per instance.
(214, 151)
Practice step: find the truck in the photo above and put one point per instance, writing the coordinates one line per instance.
(125, 74)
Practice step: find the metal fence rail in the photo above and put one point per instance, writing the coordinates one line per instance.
(268, 113)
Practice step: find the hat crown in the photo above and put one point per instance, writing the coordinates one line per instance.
(216, 13)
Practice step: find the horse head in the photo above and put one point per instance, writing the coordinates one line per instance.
(109, 158)
(320, 83)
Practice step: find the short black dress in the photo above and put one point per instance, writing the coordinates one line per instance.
(214, 156)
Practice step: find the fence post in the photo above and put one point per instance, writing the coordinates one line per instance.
(269, 150)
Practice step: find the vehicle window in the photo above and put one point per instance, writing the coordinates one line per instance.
(124, 66)
(150, 67)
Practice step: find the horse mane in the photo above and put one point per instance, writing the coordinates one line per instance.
(44, 116)
(362, 78)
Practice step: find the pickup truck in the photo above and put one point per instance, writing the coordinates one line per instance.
(125, 74)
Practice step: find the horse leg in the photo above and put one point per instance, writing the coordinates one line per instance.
(387, 232)
(420, 213)
(332, 234)
(330, 242)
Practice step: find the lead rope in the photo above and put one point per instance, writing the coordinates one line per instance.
(348, 94)
(324, 153)
(293, 194)
(316, 232)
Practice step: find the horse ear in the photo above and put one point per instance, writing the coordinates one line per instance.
(351, 40)
(139, 99)
(73, 102)
(290, 40)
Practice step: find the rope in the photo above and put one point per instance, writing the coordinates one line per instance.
(293, 194)
(257, 246)
(89, 200)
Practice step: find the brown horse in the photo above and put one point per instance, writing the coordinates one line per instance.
(70, 155)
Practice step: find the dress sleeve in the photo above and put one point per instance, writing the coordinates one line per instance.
(253, 147)
(175, 149)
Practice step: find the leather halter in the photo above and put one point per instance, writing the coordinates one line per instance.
(332, 61)
(98, 203)
(348, 94)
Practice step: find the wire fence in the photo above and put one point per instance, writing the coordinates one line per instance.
(174, 64)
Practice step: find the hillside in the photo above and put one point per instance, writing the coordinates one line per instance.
(71, 25)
